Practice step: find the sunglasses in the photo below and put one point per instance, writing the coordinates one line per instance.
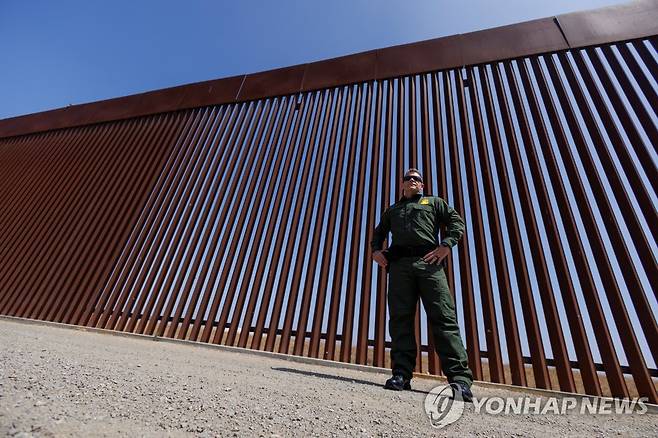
(412, 177)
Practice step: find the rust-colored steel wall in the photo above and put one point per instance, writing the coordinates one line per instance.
(246, 221)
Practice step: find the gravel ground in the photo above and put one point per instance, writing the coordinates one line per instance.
(56, 381)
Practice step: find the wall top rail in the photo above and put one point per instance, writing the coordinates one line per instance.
(637, 19)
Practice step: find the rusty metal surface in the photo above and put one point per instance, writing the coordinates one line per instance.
(516, 40)
(339, 71)
(270, 83)
(630, 20)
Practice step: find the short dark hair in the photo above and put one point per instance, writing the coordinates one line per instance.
(414, 170)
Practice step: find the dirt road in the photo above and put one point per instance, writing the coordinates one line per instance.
(60, 382)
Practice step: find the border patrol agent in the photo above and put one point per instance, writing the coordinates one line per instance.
(415, 265)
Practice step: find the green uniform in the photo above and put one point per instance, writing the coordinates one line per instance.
(414, 224)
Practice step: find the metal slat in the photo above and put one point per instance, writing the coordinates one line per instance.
(350, 112)
(136, 301)
(93, 284)
(638, 74)
(382, 278)
(107, 199)
(303, 238)
(13, 154)
(221, 281)
(281, 139)
(68, 242)
(124, 284)
(428, 169)
(315, 244)
(287, 157)
(339, 266)
(442, 191)
(629, 272)
(283, 209)
(620, 110)
(540, 263)
(623, 202)
(11, 198)
(326, 145)
(256, 340)
(638, 188)
(412, 155)
(213, 156)
(164, 307)
(357, 249)
(17, 153)
(248, 118)
(465, 274)
(96, 304)
(63, 199)
(118, 316)
(153, 319)
(521, 270)
(399, 139)
(123, 176)
(631, 94)
(367, 270)
(190, 235)
(550, 310)
(227, 142)
(25, 239)
(484, 273)
(21, 183)
(221, 174)
(586, 214)
(648, 60)
(608, 354)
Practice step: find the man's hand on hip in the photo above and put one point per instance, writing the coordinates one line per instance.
(437, 255)
(380, 258)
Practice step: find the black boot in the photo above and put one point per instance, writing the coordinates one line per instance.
(464, 391)
(398, 383)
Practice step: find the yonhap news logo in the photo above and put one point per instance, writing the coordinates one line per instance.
(443, 406)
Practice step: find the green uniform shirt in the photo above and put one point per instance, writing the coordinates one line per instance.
(416, 221)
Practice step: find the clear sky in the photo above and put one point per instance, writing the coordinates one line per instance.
(56, 53)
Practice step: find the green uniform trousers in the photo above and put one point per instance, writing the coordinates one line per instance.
(409, 277)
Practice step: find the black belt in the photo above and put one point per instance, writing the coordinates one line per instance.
(396, 252)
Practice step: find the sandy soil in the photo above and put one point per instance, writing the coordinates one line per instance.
(60, 382)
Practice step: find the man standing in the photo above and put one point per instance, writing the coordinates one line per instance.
(415, 265)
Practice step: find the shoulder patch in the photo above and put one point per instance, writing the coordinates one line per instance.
(424, 201)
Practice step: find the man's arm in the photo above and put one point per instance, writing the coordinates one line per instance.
(381, 232)
(378, 237)
(454, 231)
(453, 222)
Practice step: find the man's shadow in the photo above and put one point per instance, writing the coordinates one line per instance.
(339, 378)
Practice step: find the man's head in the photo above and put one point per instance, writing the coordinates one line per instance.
(412, 183)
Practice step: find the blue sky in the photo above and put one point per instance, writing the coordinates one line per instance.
(71, 52)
